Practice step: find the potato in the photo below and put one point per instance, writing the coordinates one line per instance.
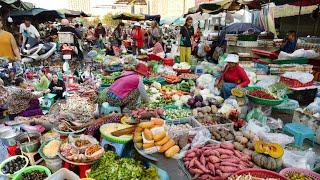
(172, 151)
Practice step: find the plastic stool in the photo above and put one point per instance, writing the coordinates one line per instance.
(109, 145)
(300, 132)
(82, 169)
(106, 109)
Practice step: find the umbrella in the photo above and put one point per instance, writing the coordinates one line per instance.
(16, 4)
(153, 18)
(179, 21)
(237, 28)
(38, 14)
(296, 2)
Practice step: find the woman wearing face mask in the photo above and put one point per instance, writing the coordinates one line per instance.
(22, 102)
(57, 87)
(233, 76)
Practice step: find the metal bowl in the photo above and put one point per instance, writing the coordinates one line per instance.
(9, 138)
(26, 145)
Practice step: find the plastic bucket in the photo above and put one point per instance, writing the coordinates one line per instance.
(54, 164)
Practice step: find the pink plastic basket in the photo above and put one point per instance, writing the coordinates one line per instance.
(306, 172)
(260, 173)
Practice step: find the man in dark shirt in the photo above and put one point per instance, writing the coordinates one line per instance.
(65, 27)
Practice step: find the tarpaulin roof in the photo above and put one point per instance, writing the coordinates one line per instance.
(237, 28)
(72, 13)
(16, 4)
(38, 14)
(130, 17)
(153, 17)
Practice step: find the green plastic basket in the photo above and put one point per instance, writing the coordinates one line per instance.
(261, 101)
(300, 60)
(18, 176)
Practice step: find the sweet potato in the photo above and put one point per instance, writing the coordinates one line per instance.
(203, 160)
(213, 145)
(224, 156)
(200, 166)
(186, 163)
(229, 164)
(232, 160)
(192, 162)
(163, 141)
(211, 168)
(196, 176)
(225, 175)
(219, 172)
(191, 155)
(225, 151)
(217, 165)
(237, 153)
(167, 145)
(227, 146)
(187, 158)
(195, 171)
(229, 169)
(214, 159)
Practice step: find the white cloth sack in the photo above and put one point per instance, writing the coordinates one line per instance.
(298, 53)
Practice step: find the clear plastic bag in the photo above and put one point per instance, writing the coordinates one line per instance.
(258, 115)
(314, 107)
(288, 104)
(255, 127)
(299, 159)
(278, 138)
(202, 136)
(274, 123)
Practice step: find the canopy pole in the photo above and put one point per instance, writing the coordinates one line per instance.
(299, 16)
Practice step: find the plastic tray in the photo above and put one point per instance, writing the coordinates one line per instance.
(267, 102)
(18, 176)
(190, 120)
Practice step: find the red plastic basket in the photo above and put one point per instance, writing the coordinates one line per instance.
(294, 83)
(260, 173)
(168, 61)
(306, 172)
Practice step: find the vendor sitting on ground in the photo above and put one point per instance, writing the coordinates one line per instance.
(233, 76)
(289, 43)
(57, 87)
(157, 48)
(22, 102)
(43, 83)
(128, 88)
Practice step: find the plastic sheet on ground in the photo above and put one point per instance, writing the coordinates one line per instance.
(299, 159)
(278, 138)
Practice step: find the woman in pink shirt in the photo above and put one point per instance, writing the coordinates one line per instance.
(233, 76)
(126, 91)
(157, 48)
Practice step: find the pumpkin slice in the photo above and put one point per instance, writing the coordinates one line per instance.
(275, 150)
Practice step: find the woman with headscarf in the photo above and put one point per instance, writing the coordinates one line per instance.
(22, 102)
(126, 91)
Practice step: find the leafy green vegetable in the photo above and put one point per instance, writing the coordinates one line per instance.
(102, 97)
(112, 167)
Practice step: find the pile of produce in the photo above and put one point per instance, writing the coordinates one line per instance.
(147, 113)
(152, 137)
(88, 90)
(204, 111)
(111, 166)
(177, 113)
(76, 148)
(186, 85)
(266, 162)
(51, 149)
(222, 134)
(14, 165)
(177, 127)
(262, 94)
(298, 176)
(172, 79)
(245, 141)
(34, 175)
(196, 101)
(181, 66)
(249, 177)
(214, 161)
(188, 76)
(108, 80)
